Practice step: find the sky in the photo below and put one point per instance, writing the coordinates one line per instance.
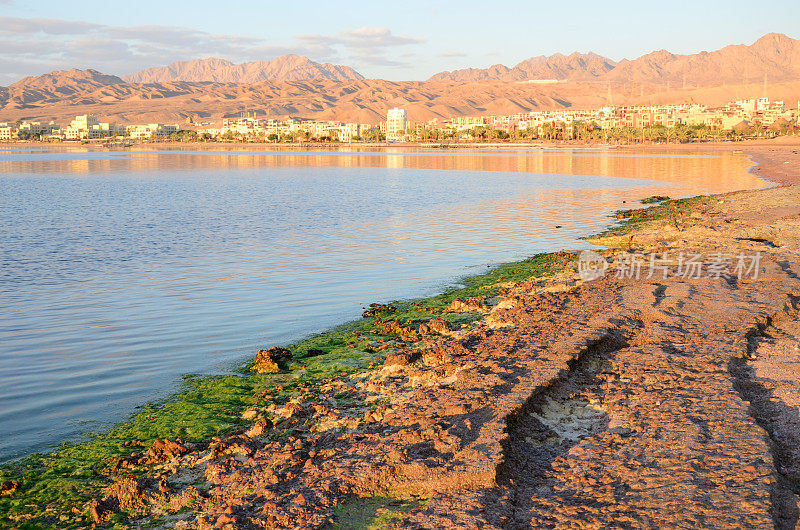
(396, 40)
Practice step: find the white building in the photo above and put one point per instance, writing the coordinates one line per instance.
(151, 130)
(38, 128)
(396, 124)
(8, 131)
(87, 127)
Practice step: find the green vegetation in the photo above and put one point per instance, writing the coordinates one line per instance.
(654, 199)
(51, 485)
(668, 209)
(373, 513)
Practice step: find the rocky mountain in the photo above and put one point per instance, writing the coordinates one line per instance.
(67, 81)
(576, 66)
(58, 86)
(774, 55)
(284, 68)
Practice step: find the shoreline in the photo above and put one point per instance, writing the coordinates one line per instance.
(325, 378)
(545, 144)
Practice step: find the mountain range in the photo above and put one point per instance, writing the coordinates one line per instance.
(774, 55)
(285, 68)
(577, 66)
(205, 90)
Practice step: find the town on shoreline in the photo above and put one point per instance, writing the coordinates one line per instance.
(737, 120)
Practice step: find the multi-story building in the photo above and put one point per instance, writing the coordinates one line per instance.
(8, 131)
(150, 130)
(396, 125)
(87, 127)
(38, 128)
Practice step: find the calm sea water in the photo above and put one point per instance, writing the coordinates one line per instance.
(119, 271)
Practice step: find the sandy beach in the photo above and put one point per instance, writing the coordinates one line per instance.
(537, 397)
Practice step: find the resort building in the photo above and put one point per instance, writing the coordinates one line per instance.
(87, 127)
(396, 125)
(38, 129)
(8, 131)
(150, 131)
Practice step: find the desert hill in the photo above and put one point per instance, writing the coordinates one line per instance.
(774, 55)
(363, 101)
(284, 68)
(577, 66)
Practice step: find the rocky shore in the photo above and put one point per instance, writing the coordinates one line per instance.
(551, 400)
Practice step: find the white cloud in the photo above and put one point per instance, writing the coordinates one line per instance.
(32, 46)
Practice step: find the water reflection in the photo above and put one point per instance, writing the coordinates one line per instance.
(718, 171)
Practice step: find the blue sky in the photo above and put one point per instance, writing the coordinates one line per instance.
(397, 40)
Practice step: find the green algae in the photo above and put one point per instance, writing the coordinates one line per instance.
(373, 513)
(631, 220)
(54, 488)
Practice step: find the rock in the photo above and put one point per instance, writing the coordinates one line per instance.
(435, 356)
(507, 303)
(126, 494)
(378, 309)
(295, 407)
(9, 487)
(300, 500)
(436, 326)
(259, 428)
(466, 306)
(314, 352)
(401, 358)
(226, 521)
(163, 484)
(272, 360)
(97, 510)
(163, 451)
(393, 327)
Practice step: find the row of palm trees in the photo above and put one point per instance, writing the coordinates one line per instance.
(582, 131)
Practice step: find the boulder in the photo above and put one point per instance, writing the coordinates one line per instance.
(164, 451)
(437, 326)
(272, 360)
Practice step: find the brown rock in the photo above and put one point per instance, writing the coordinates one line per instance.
(9, 487)
(126, 494)
(436, 355)
(164, 451)
(436, 326)
(272, 360)
(466, 306)
(259, 428)
(394, 327)
(300, 500)
(401, 358)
